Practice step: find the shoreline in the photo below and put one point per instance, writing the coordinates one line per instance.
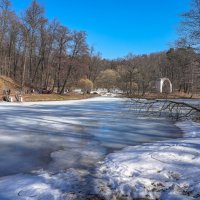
(152, 96)
(77, 96)
(53, 97)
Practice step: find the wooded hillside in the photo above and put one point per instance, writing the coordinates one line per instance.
(45, 55)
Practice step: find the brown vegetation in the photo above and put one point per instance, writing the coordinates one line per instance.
(175, 95)
(56, 97)
(7, 83)
(86, 85)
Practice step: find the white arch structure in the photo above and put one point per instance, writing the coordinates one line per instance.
(161, 83)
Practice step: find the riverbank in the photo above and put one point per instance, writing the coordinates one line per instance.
(161, 170)
(57, 97)
(175, 95)
(78, 96)
(54, 97)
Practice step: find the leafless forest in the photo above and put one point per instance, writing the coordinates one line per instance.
(43, 54)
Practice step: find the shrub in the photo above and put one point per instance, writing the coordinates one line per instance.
(86, 85)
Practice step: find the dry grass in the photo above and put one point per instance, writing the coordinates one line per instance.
(177, 95)
(55, 97)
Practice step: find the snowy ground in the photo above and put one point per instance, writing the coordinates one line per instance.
(40, 163)
(161, 170)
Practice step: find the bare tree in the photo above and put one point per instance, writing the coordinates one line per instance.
(190, 27)
(33, 18)
(95, 65)
(78, 49)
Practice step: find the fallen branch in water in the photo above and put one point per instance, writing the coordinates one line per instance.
(177, 110)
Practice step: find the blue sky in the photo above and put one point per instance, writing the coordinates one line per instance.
(118, 27)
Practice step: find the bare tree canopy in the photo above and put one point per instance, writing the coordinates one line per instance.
(46, 55)
(190, 26)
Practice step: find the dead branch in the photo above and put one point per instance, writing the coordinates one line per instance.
(174, 109)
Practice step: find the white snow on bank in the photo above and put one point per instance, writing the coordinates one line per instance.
(161, 170)
(41, 185)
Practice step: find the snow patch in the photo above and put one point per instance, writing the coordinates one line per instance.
(162, 170)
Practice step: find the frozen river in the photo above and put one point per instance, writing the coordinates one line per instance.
(56, 136)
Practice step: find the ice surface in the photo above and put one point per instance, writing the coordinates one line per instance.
(71, 134)
(50, 150)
